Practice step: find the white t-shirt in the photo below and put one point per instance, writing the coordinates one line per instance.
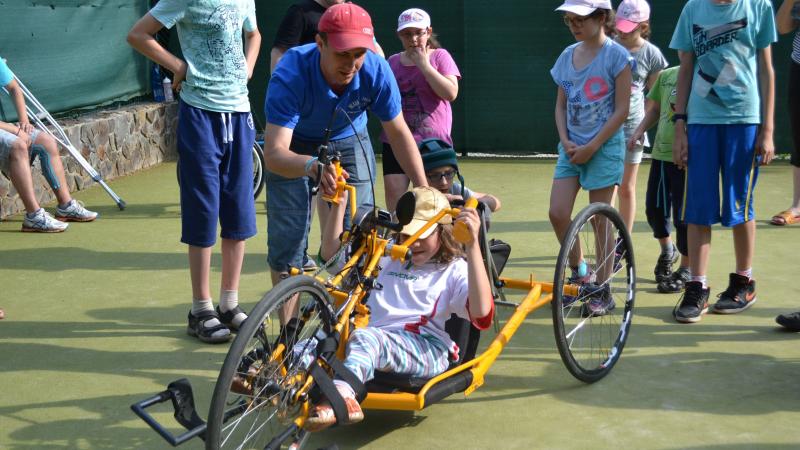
(421, 299)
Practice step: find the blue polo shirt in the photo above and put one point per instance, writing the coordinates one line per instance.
(300, 99)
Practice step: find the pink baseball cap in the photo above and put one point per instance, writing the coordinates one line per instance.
(347, 26)
(631, 13)
(584, 7)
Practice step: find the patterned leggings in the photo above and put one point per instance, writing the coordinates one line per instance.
(397, 351)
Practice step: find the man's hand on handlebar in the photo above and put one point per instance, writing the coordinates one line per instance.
(328, 183)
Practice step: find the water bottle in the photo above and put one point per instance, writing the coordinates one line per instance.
(155, 83)
(168, 90)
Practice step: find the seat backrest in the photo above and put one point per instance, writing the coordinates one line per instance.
(466, 337)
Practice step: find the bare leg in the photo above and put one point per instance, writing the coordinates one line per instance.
(562, 200)
(199, 269)
(685, 261)
(232, 260)
(289, 309)
(605, 240)
(699, 239)
(744, 244)
(62, 193)
(20, 173)
(395, 185)
(627, 195)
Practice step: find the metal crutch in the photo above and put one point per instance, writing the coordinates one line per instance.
(38, 114)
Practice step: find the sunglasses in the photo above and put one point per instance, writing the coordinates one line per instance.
(576, 22)
(448, 175)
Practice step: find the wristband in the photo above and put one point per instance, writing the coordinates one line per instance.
(677, 117)
(309, 163)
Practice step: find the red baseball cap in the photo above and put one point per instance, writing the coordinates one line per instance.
(347, 26)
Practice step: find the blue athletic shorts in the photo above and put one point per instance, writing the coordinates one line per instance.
(216, 173)
(602, 171)
(728, 150)
(289, 200)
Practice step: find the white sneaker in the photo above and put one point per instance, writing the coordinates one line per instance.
(75, 212)
(42, 222)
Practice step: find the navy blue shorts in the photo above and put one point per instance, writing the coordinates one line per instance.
(216, 172)
(729, 151)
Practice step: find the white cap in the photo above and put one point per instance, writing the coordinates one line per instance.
(584, 7)
(415, 18)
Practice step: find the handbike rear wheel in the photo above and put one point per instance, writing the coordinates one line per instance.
(255, 398)
(591, 327)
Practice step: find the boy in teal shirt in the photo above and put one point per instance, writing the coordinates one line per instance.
(724, 111)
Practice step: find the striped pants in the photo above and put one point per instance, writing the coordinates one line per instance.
(397, 351)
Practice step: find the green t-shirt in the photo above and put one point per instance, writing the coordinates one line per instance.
(663, 93)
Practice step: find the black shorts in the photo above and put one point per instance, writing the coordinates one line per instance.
(390, 164)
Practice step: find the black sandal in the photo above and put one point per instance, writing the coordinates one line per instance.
(227, 318)
(197, 328)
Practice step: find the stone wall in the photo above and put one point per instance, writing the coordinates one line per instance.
(115, 142)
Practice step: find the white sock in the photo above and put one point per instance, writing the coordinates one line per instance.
(206, 305)
(229, 300)
(746, 273)
(701, 279)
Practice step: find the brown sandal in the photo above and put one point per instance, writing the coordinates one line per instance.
(785, 218)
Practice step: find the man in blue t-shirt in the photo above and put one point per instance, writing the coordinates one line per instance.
(726, 85)
(328, 85)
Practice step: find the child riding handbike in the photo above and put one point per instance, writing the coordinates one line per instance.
(380, 333)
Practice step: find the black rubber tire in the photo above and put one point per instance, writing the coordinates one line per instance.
(266, 406)
(572, 322)
(258, 170)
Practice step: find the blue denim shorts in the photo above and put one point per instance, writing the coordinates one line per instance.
(603, 170)
(216, 167)
(289, 200)
(6, 141)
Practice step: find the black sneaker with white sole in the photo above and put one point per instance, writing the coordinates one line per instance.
(693, 303)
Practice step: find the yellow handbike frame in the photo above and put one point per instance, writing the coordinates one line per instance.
(372, 248)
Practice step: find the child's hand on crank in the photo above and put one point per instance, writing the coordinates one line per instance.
(469, 216)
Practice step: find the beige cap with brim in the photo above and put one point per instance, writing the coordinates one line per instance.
(429, 202)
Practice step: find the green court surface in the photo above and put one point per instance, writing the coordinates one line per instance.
(96, 317)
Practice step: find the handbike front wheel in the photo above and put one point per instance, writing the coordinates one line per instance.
(593, 292)
(256, 397)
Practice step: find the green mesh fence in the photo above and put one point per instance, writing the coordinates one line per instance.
(73, 54)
